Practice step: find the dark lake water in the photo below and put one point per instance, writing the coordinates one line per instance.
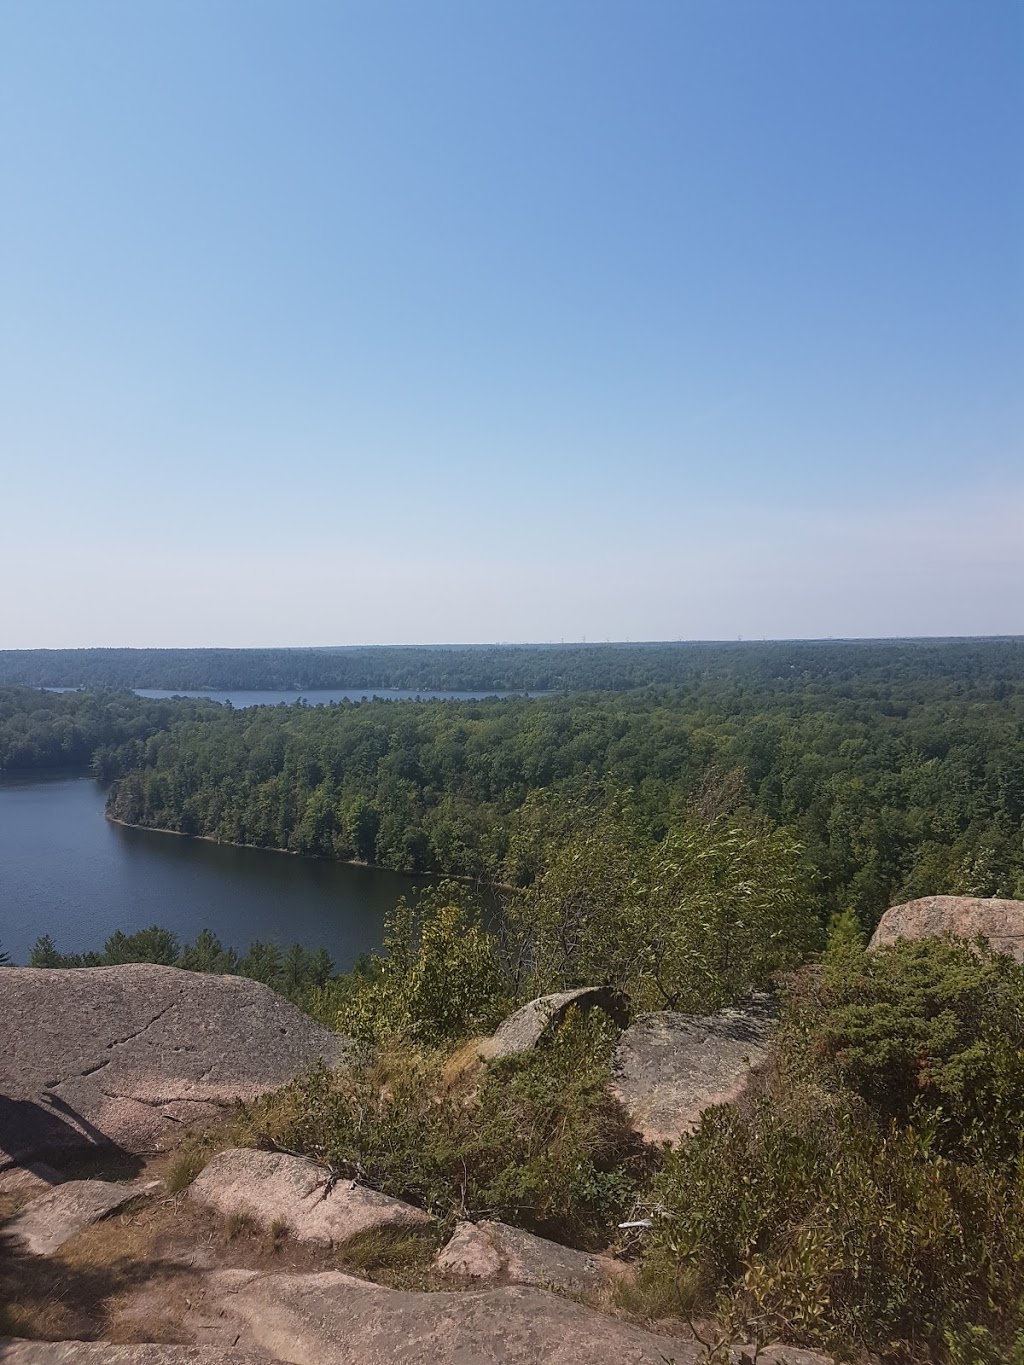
(68, 872)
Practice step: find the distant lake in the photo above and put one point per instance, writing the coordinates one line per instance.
(68, 872)
(238, 697)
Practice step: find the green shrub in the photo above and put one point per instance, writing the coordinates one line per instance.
(535, 1140)
(873, 1197)
(929, 1033)
(440, 977)
(692, 921)
(813, 1226)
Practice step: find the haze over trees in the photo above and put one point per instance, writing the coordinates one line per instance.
(517, 668)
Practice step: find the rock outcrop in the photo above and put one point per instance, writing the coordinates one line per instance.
(523, 1030)
(107, 1353)
(127, 1054)
(22, 1183)
(1001, 922)
(52, 1219)
(334, 1319)
(494, 1253)
(272, 1187)
(668, 1068)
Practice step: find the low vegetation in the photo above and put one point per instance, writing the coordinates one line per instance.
(535, 1139)
(873, 1197)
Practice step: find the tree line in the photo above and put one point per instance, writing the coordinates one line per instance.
(519, 668)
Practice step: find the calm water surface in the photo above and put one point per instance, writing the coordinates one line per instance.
(68, 872)
(315, 697)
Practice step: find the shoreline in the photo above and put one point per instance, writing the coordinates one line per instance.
(313, 858)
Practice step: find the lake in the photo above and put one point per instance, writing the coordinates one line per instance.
(239, 697)
(68, 872)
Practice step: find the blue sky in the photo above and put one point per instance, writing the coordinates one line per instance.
(446, 321)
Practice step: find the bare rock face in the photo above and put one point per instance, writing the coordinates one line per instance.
(523, 1030)
(273, 1187)
(1001, 922)
(107, 1353)
(337, 1319)
(51, 1220)
(127, 1054)
(494, 1253)
(668, 1068)
(28, 1182)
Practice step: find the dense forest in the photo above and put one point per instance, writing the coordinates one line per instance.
(900, 776)
(522, 668)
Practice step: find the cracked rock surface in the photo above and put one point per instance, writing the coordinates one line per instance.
(331, 1318)
(668, 1068)
(128, 1054)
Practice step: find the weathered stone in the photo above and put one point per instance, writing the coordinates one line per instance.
(523, 1030)
(48, 1222)
(335, 1319)
(15, 1352)
(272, 1187)
(496, 1253)
(668, 1068)
(128, 1054)
(107, 1353)
(28, 1181)
(1001, 922)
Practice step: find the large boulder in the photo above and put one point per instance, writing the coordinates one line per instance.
(335, 1319)
(1001, 922)
(127, 1054)
(668, 1068)
(54, 1218)
(538, 1018)
(495, 1253)
(273, 1187)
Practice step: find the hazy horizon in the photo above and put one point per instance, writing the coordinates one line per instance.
(536, 644)
(459, 322)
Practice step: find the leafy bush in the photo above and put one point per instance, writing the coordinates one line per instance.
(807, 1222)
(928, 1032)
(536, 1141)
(691, 921)
(873, 1197)
(439, 979)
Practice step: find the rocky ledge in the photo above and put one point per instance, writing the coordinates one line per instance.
(127, 1055)
(1000, 921)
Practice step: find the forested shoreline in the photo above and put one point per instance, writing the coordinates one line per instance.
(520, 668)
(904, 779)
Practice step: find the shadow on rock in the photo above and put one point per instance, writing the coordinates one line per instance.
(48, 1298)
(52, 1128)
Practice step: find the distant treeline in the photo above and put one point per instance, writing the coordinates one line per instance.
(519, 668)
(904, 779)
